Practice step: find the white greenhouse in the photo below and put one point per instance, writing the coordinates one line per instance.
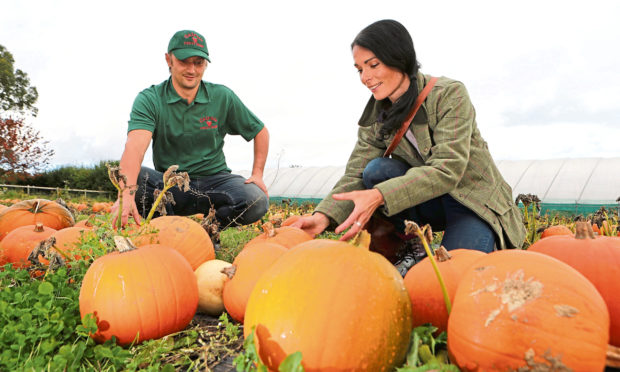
(579, 185)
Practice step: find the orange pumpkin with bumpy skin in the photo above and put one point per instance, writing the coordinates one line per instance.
(342, 306)
(180, 233)
(517, 309)
(427, 302)
(30, 212)
(139, 294)
(598, 259)
(17, 245)
(286, 236)
(246, 268)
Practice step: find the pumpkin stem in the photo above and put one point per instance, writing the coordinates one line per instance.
(269, 230)
(583, 230)
(115, 176)
(38, 227)
(171, 178)
(123, 244)
(229, 271)
(361, 239)
(412, 227)
(442, 254)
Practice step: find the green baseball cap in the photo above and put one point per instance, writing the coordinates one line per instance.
(188, 43)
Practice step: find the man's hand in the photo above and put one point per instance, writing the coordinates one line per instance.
(258, 181)
(129, 209)
(366, 202)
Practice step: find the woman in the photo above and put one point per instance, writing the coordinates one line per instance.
(441, 173)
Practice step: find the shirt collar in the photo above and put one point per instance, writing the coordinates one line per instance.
(202, 96)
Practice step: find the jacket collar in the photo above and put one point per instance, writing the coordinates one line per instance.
(374, 107)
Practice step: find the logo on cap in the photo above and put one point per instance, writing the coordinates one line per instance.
(195, 37)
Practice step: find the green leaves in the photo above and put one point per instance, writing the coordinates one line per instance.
(46, 288)
(426, 352)
(36, 317)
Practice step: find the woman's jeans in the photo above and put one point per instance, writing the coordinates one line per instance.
(462, 227)
(235, 202)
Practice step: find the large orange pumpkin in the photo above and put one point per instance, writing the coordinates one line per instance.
(343, 307)
(516, 309)
(181, 233)
(17, 245)
(29, 212)
(287, 236)
(139, 294)
(598, 259)
(246, 268)
(427, 301)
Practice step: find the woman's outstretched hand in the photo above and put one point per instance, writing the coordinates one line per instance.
(312, 225)
(366, 202)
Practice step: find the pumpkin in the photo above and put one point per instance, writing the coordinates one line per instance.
(101, 207)
(598, 259)
(342, 306)
(556, 230)
(181, 233)
(29, 212)
(68, 239)
(210, 285)
(516, 309)
(139, 294)
(286, 236)
(427, 301)
(17, 245)
(2, 207)
(246, 268)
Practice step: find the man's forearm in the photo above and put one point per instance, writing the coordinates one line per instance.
(261, 149)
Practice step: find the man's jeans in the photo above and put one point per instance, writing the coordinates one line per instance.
(235, 202)
(462, 227)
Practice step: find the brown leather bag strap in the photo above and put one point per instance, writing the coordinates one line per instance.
(416, 106)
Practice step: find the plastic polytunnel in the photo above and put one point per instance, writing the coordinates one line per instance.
(578, 185)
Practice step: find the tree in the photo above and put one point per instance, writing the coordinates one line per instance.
(16, 94)
(21, 147)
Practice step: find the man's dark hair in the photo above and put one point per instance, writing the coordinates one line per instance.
(392, 44)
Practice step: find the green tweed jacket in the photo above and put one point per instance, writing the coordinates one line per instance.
(451, 158)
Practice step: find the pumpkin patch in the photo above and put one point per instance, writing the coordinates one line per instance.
(332, 305)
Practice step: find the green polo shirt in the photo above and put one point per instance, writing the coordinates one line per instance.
(192, 135)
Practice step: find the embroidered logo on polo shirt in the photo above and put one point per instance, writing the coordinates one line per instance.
(209, 121)
(195, 39)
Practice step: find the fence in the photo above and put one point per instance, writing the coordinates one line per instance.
(58, 190)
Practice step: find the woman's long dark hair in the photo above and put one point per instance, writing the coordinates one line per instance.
(391, 43)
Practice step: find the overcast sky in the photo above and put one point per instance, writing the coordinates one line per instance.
(544, 76)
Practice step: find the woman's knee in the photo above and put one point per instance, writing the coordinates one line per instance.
(382, 169)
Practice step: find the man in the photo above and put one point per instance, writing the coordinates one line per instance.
(187, 119)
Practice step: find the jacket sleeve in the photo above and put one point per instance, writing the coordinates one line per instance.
(366, 149)
(448, 156)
